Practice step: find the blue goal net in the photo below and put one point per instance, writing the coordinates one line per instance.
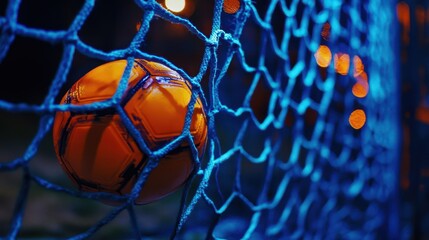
(301, 100)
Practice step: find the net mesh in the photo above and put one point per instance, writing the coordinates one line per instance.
(279, 80)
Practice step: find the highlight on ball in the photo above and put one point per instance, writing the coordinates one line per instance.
(99, 154)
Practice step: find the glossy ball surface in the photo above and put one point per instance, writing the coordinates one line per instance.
(99, 154)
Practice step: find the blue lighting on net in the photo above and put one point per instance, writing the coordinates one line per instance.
(333, 182)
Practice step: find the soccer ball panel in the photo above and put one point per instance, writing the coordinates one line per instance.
(101, 82)
(98, 150)
(170, 174)
(161, 108)
(159, 111)
(199, 124)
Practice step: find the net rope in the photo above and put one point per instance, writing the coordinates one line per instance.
(317, 176)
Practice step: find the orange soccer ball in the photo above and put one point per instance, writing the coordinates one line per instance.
(96, 150)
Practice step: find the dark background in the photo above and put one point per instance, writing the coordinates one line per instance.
(30, 65)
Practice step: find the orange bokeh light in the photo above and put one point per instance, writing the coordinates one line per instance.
(422, 114)
(231, 6)
(323, 56)
(403, 12)
(357, 119)
(326, 31)
(362, 76)
(342, 63)
(175, 5)
(358, 66)
(360, 88)
(138, 25)
(420, 15)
